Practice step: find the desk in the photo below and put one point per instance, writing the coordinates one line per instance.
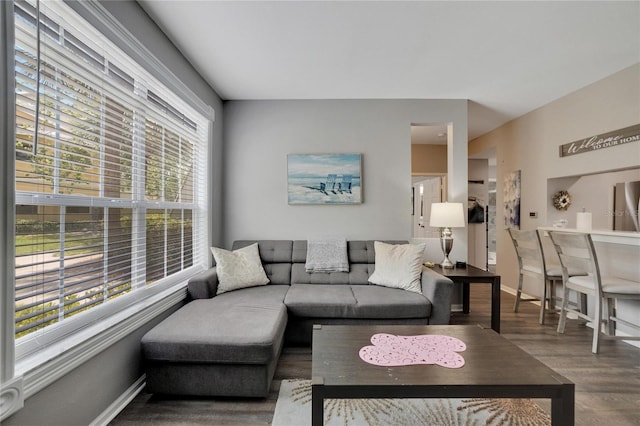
(470, 275)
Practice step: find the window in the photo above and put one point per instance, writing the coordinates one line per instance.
(110, 181)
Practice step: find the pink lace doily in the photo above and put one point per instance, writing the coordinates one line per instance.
(391, 351)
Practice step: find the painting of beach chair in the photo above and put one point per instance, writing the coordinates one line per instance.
(345, 185)
(324, 178)
(330, 185)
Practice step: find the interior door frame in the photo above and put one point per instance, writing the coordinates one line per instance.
(416, 200)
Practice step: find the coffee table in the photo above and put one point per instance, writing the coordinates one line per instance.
(494, 368)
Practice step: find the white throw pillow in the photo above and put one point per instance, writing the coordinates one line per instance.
(398, 266)
(239, 268)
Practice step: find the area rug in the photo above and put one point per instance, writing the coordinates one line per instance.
(293, 408)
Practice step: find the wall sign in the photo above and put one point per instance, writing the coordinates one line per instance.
(605, 140)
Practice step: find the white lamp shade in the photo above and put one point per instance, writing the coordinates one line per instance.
(447, 215)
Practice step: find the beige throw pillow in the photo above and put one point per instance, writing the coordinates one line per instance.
(398, 266)
(239, 268)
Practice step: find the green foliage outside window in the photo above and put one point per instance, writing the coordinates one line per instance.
(48, 313)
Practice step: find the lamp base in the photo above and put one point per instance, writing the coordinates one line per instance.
(447, 264)
(446, 244)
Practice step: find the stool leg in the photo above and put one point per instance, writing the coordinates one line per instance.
(563, 310)
(518, 292)
(597, 324)
(543, 301)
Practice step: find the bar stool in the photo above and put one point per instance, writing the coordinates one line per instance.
(576, 248)
(553, 270)
(531, 263)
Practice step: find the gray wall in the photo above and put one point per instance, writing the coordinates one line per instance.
(80, 396)
(260, 134)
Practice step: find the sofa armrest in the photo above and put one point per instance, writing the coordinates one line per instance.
(203, 286)
(438, 289)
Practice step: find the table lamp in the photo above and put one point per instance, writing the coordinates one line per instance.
(446, 216)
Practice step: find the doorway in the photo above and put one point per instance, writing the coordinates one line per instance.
(426, 190)
(428, 174)
(482, 234)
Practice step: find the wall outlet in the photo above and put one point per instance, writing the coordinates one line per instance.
(533, 214)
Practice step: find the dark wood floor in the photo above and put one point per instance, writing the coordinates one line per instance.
(607, 384)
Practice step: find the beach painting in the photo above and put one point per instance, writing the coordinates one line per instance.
(324, 178)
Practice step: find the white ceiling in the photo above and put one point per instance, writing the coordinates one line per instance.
(508, 58)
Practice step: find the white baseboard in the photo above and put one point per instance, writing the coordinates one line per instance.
(635, 343)
(11, 397)
(119, 404)
(456, 307)
(508, 289)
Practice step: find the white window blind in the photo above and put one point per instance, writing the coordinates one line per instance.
(110, 182)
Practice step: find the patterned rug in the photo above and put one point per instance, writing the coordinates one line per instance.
(293, 408)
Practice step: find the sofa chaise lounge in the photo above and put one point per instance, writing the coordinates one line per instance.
(229, 344)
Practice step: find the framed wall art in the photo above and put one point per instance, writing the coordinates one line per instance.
(476, 201)
(324, 178)
(511, 197)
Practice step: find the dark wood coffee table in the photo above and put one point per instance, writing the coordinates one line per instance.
(472, 275)
(494, 368)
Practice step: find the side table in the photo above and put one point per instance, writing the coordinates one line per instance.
(471, 275)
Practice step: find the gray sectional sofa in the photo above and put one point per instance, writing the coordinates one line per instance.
(229, 344)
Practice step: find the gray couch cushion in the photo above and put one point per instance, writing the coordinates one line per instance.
(358, 274)
(269, 295)
(278, 273)
(271, 251)
(361, 264)
(357, 251)
(275, 256)
(361, 252)
(240, 327)
(299, 254)
(382, 302)
(321, 300)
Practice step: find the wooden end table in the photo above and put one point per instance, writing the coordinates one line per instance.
(472, 275)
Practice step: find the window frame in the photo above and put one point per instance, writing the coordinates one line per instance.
(123, 316)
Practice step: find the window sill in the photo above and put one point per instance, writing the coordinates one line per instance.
(42, 369)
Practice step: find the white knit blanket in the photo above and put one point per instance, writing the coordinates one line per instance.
(327, 256)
